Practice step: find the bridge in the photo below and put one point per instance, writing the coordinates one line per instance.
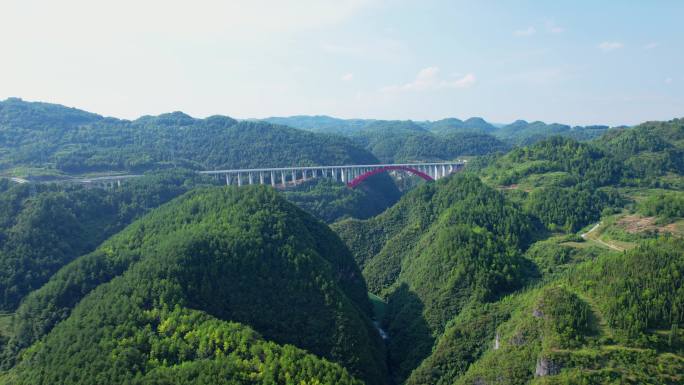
(282, 177)
(352, 175)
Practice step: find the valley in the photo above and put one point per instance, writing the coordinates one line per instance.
(546, 261)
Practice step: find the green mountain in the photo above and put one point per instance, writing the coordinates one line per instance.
(44, 141)
(453, 126)
(651, 149)
(192, 292)
(44, 227)
(557, 263)
(410, 142)
(406, 140)
(609, 320)
(523, 133)
(560, 261)
(442, 247)
(322, 123)
(72, 141)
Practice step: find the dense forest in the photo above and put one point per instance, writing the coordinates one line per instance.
(549, 306)
(556, 257)
(449, 138)
(42, 141)
(74, 141)
(188, 287)
(44, 227)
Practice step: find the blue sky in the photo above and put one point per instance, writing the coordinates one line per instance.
(575, 62)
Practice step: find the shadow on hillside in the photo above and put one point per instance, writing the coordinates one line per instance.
(410, 339)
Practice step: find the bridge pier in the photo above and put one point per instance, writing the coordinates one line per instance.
(345, 173)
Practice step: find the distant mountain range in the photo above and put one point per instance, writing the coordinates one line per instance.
(519, 132)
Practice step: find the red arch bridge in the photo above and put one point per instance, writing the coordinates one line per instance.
(352, 175)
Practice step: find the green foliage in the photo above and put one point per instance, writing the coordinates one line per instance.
(569, 209)
(640, 290)
(52, 137)
(244, 255)
(121, 339)
(523, 133)
(44, 227)
(554, 258)
(567, 316)
(588, 163)
(650, 149)
(463, 342)
(407, 141)
(332, 201)
(666, 205)
(443, 246)
(453, 125)
(73, 141)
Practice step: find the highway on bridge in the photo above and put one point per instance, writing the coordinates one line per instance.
(282, 177)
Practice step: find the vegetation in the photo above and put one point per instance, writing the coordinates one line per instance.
(42, 141)
(442, 247)
(74, 141)
(331, 201)
(44, 227)
(408, 141)
(668, 205)
(560, 262)
(394, 141)
(518, 133)
(242, 255)
(523, 133)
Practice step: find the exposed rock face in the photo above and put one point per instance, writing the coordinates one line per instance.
(546, 367)
(537, 313)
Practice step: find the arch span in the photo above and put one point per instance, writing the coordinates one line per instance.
(359, 179)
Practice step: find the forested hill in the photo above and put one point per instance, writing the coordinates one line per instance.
(43, 141)
(57, 139)
(190, 294)
(521, 132)
(442, 248)
(407, 141)
(44, 227)
(518, 133)
(557, 263)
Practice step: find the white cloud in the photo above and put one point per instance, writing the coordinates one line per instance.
(529, 31)
(651, 45)
(464, 82)
(429, 79)
(347, 77)
(607, 46)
